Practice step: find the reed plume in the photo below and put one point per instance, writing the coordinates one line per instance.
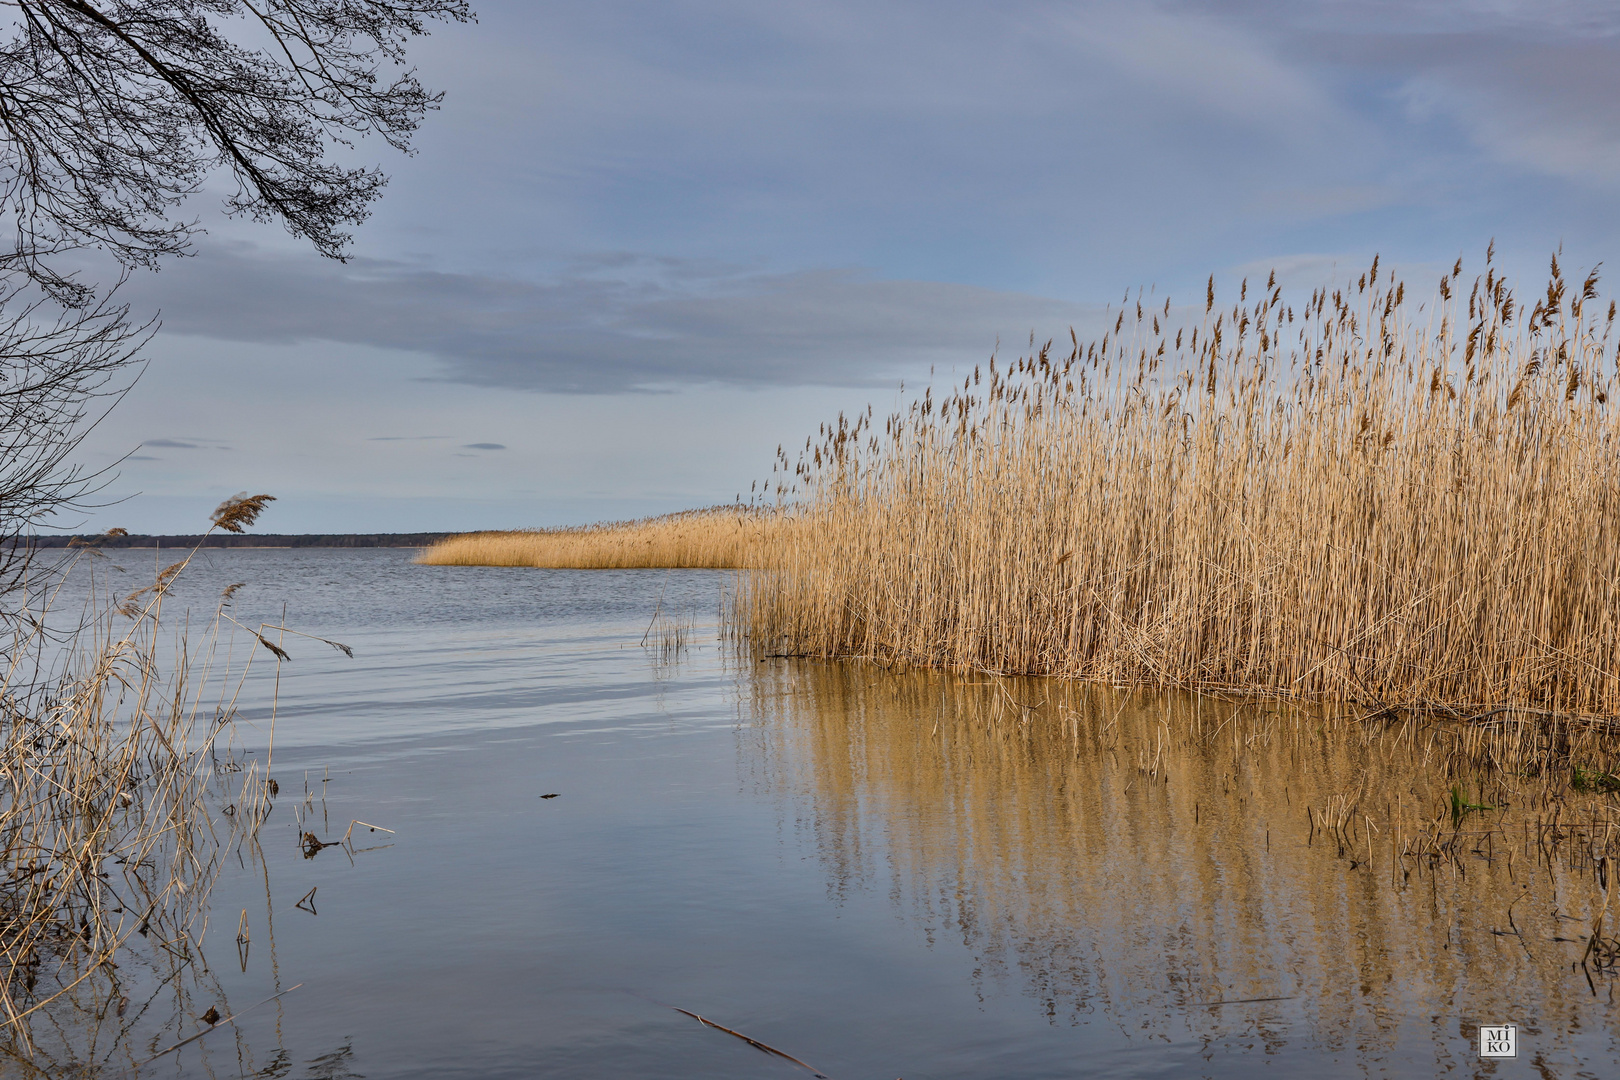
(1343, 499)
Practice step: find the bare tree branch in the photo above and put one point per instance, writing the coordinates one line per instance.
(115, 112)
(112, 114)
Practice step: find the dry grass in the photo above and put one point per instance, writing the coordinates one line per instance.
(108, 846)
(1349, 500)
(720, 538)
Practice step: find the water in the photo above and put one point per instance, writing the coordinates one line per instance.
(883, 874)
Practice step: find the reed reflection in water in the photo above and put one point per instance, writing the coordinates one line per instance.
(1129, 859)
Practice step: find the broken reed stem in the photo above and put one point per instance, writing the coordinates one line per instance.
(1345, 500)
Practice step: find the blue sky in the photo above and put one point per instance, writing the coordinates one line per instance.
(644, 243)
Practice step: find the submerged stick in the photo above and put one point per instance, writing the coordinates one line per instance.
(755, 1043)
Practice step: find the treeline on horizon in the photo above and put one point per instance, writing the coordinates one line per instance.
(242, 540)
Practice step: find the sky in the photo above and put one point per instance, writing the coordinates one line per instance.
(643, 244)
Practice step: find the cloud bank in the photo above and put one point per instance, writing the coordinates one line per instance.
(620, 325)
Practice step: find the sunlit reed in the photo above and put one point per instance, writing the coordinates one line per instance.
(719, 538)
(1351, 497)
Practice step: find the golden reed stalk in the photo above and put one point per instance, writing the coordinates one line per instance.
(717, 538)
(1347, 500)
(110, 739)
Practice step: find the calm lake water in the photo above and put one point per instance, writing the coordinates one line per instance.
(882, 874)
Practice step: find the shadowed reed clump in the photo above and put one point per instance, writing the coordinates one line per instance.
(108, 847)
(1345, 499)
(718, 538)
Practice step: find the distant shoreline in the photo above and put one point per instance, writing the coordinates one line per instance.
(244, 540)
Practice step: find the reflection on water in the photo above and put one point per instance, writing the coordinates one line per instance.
(1137, 860)
(1087, 882)
(132, 1016)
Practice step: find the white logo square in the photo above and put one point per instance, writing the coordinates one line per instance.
(1499, 1041)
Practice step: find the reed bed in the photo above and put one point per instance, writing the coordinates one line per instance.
(718, 538)
(109, 776)
(1354, 497)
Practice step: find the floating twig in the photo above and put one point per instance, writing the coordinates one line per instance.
(755, 1043)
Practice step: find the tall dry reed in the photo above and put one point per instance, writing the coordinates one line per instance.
(108, 844)
(716, 538)
(1347, 499)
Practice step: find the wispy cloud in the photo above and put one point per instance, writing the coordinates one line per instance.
(1533, 85)
(184, 444)
(1549, 110)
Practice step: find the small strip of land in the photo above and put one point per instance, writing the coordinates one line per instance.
(243, 540)
(722, 538)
